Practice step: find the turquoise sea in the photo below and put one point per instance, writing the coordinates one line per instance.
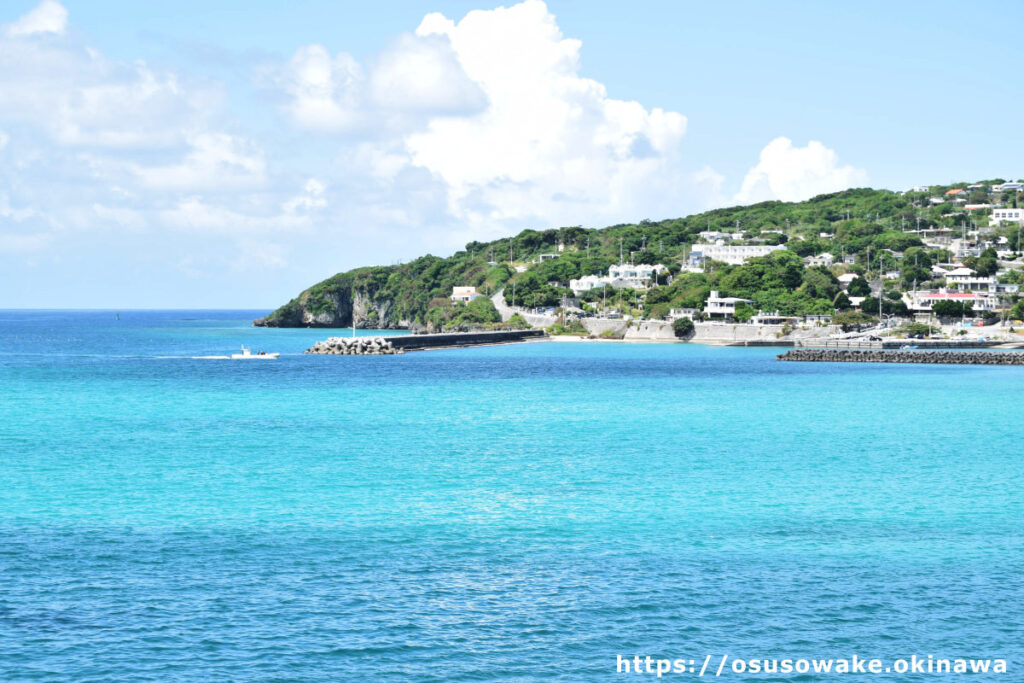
(521, 512)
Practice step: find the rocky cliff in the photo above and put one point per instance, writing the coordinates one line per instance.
(335, 303)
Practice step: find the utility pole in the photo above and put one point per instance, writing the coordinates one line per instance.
(620, 250)
(643, 245)
(588, 246)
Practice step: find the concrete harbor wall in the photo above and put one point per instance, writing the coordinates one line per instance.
(654, 330)
(738, 334)
(386, 346)
(907, 356)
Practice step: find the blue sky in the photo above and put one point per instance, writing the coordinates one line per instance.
(228, 154)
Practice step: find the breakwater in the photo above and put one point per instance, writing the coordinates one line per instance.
(355, 346)
(905, 356)
(386, 346)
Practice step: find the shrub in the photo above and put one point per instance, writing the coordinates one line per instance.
(517, 322)
(952, 309)
(572, 327)
(683, 327)
(853, 320)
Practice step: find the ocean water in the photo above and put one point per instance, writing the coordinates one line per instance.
(521, 512)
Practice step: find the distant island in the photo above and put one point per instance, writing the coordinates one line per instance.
(845, 258)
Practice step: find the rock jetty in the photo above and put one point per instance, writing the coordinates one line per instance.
(905, 356)
(386, 346)
(355, 346)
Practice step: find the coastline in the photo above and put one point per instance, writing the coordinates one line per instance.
(568, 338)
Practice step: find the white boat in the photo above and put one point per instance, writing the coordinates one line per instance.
(246, 354)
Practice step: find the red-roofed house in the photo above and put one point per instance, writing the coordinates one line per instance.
(923, 301)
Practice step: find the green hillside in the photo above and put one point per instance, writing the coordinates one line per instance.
(855, 222)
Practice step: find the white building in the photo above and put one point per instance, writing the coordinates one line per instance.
(966, 280)
(621, 275)
(1000, 215)
(923, 301)
(724, 306)
(825, 259)
(1008, 187)
(639, 276)
(714, 236)
(733, 254)
(465, 294)
(773, 318)
(846, 278)
(677, 313)
(587, 283)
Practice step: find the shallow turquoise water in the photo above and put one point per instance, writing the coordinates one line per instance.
(507, 513)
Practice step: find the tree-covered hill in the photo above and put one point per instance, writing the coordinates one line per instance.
(854, 222)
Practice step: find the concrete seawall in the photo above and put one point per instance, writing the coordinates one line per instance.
(386, 346)
(883, 356)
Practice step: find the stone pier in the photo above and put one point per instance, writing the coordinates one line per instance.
(386, 346)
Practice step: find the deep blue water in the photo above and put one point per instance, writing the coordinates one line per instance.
(522, 512)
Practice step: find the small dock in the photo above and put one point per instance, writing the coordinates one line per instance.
(387, 346)
(905, 356)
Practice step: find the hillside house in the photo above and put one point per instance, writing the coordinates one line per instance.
(723, 306)
(465, 294)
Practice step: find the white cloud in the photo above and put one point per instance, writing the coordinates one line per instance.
(325, 92)
(423, 73)
(215, 161)
(259, 256)
(494, 108)
(311, 198)
(17, 215)
(793, 174)
(20, 244)
(251, 215)
(76, 97)
(551, 146)
(119, 216)
(47, 17)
